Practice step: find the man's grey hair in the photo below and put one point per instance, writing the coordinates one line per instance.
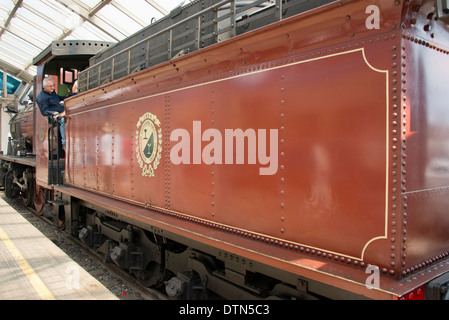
(47, 81)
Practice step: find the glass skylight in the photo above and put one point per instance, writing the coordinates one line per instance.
(27, 27)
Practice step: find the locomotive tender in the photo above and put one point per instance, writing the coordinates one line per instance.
(266, 149)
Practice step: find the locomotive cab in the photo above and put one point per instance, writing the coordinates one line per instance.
(34, 162)
(61, 61)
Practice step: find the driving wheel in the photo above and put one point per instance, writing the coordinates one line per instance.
(39, 199)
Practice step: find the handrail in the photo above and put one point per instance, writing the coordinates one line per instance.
(231, 16)
(154, 35)
(52, 124)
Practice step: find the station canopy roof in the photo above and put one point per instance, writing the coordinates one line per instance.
(27, 27)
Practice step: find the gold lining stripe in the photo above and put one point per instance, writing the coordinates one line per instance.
(41, 289)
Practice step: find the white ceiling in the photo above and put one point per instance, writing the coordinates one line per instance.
(27, 27)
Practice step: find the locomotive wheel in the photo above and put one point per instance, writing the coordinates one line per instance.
(153, 276)
(39, 200)
(28, 196)
(11, 190)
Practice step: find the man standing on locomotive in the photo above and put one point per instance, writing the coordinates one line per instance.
(51, 104)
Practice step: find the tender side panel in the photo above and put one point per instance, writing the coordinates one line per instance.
(323, 133)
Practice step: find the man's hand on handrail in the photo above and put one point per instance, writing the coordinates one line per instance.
(55, 116)
(58, 115)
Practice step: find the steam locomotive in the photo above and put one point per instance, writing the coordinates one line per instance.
(255, 150)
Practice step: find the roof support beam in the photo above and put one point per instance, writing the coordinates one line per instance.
(98, 7)
(13, 12)
(81, 11)
(5, 85)
(43, 16)
(158, 7)
(129, 14)
(16, 72)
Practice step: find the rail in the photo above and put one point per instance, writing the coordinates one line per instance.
(224, 23)
(188, 29)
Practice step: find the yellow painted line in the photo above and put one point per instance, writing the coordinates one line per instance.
(32, 277)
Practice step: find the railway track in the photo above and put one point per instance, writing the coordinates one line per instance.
(118, 281)
(141, 291)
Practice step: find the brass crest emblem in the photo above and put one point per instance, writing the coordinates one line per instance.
(148, 144)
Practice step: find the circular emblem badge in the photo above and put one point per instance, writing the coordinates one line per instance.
(149, 144)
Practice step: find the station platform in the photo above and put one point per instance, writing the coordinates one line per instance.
(34, 268)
